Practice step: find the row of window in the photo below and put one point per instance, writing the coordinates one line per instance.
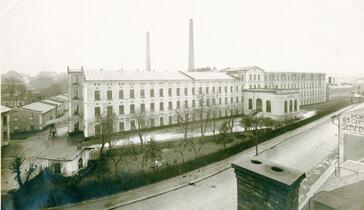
(151, 122)
(142, 107)
(142, 94)
(268, 106)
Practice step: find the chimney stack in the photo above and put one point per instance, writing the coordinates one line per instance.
(191, 59)
(147, 53)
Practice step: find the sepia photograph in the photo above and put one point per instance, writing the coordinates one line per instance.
(182, 104)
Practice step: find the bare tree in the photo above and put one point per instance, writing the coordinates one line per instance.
(16, 168)
(203, 112)
(152, 154)
(142, 122)
(116, 156)
(106, 126)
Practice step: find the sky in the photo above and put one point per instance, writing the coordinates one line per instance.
(283, 35)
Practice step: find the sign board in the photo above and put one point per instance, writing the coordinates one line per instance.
(352, 122)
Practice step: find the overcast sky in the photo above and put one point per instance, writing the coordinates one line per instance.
(281, 35)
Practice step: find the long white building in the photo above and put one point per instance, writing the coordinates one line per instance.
(162, 96)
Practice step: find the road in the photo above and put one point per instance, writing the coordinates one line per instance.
(302, 152)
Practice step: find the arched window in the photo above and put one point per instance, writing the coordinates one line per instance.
(290, 106)
(268, 107)
(259, 105)
(295, 105)
(285, 106)
(80, 163)
(250, 103)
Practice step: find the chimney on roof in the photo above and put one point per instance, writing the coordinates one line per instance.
(147, 67)
(191, 55)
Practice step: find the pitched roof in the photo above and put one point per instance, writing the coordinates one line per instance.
(38, 106)
(208, 76)
(96, 75)
(4, 109)
(233, 69)
(51, 102)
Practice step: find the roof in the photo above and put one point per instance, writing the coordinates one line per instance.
(61, 152)
(340, 86)
(62, 98)
(97, 75)
(242, 68)
(273, 90)
(4, 109)
(38, 106)
(208, 76)
(49, 101)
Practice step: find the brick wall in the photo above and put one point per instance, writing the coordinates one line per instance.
(265, 185)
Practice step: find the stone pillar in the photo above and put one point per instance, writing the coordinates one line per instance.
(266, 185)
(191, 54)
(147, 64)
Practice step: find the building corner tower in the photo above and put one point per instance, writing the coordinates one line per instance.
(191, 55)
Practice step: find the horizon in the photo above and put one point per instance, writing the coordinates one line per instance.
(282, 36)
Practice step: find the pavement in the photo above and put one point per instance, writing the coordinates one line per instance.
(214, 186)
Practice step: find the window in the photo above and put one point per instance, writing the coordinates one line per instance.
(213, 101)
(178, 104)
(231, 100)
(169, 91)
(170, 106)
(259, 105)
(186, 104)
(97, 129)
(237, 99)
(151, 93)
(220, 101)
(142, 93)
(178, 92)
(161, 92)
(97, 95)
(109, 111)
(132, 124)
(258, 76)
(132, 93)
(207, 102)
(132, 108)
(295, 105)
(75, 79)
(207, 90)
(186, 91)
(268, 107)
(152, 124)
(161, 106)
(250, 103)
(193, 91)
(142, 108)
(170, 120)
(226, 100)
(121, 126)
(193, 103)
(200, 90)
(290, 106)
(152, 107)
(109, 95)
(75, 96)
(121, 109)
(161, 121)
(231, 89)
(121, 94)
(285, 106)
(225, 89)
(97, 112)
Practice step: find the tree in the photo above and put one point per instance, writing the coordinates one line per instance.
(16, 168)
(116, 156)
(142, 122)
(106, 123)
(203, 112)
(152, 154)
(225, 138)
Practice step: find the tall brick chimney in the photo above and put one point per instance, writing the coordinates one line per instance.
(262, 184)
(147, 64)
(191, 54)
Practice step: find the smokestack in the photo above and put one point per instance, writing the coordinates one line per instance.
(147, 67)
(191, 55)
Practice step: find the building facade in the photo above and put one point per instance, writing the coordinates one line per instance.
(338, 92)
(165, 98)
